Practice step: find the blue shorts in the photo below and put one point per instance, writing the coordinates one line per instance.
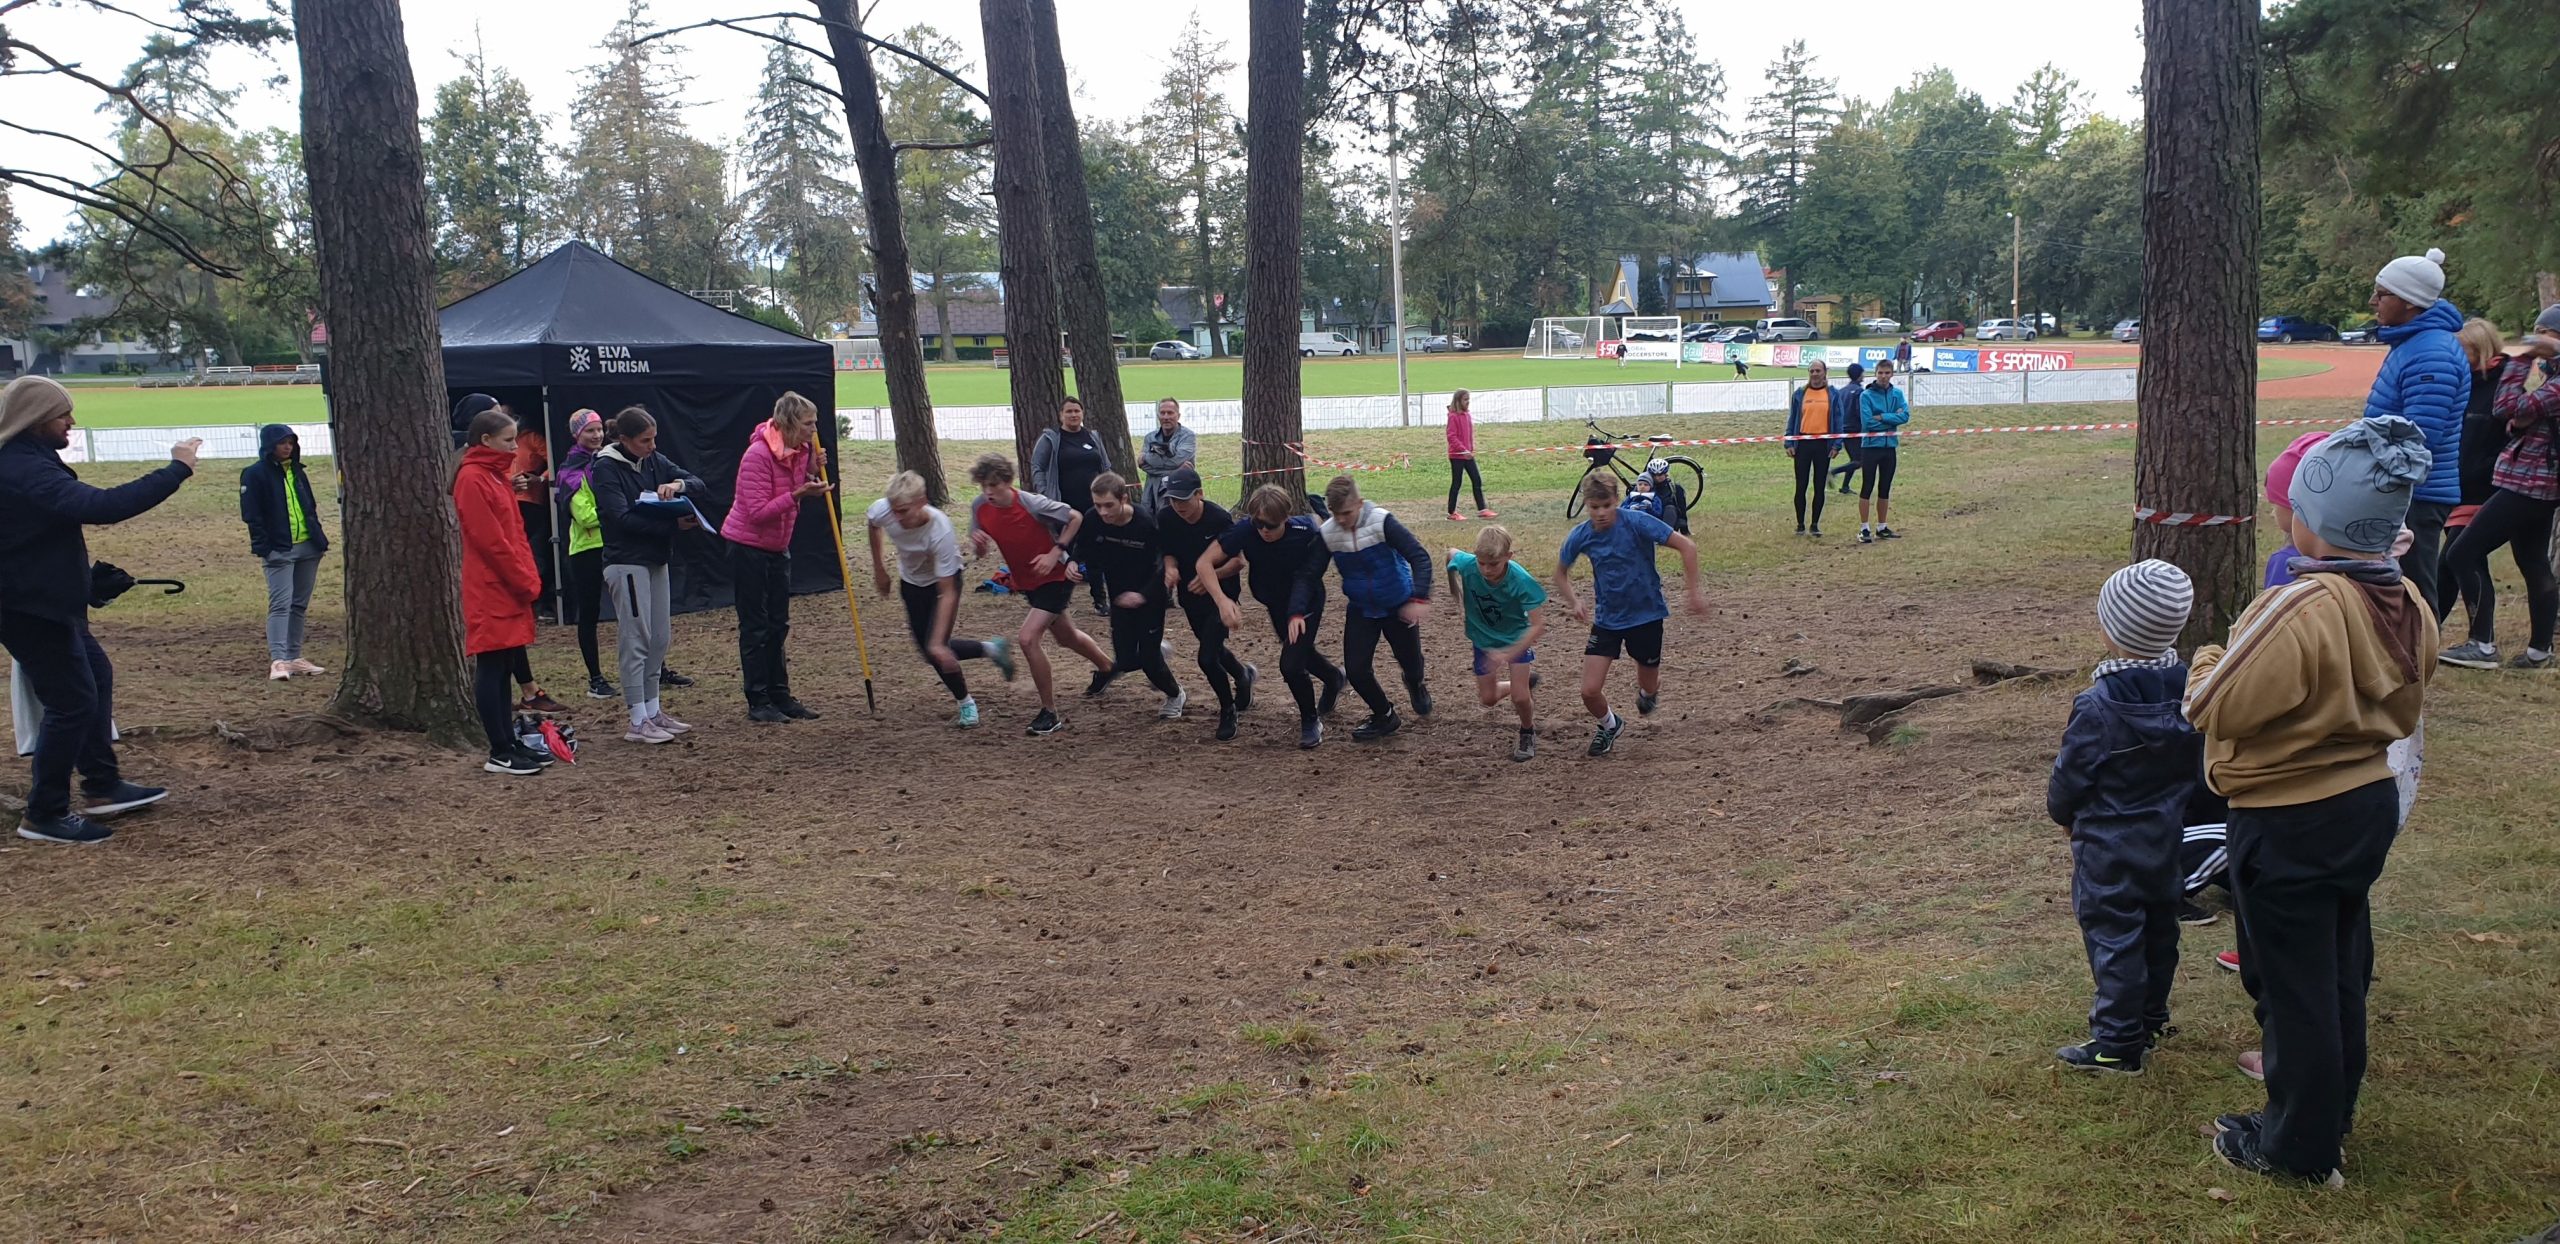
(1484, 660)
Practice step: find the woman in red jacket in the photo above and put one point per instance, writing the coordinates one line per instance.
(774, 477)
(499, 584)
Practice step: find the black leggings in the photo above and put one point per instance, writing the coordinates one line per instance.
(1876, 477)
(2523, 524)
(1218, 663)
(1812, 466)
(586, 603)
(1301, 666)
(1360, 634)
(924, 608)
(491, 673)
(1465, 468)
(1137, 643)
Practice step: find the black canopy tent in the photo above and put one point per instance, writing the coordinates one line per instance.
(577, 331)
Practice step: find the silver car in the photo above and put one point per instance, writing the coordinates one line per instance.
(2128, 330)
(2004, 330)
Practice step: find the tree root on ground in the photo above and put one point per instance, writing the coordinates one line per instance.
(1878, 714)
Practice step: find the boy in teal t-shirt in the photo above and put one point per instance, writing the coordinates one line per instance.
(1501, 602)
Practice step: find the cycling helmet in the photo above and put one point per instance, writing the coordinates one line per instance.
(1659, 466)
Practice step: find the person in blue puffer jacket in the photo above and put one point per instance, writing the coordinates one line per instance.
(1386, 584)
(2427, 381)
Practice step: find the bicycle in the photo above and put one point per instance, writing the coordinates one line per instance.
(1688, 479)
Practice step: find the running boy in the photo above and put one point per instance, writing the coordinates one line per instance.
(2321, 676)
(1034, 532)
(1626, 590)
(1279, 544)
(929, 567)
(2121, 783)
(1187, 527)
(1502, 600)
(1116, 545)
(1386, 592)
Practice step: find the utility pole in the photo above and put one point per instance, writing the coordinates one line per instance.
(2016, 227)
(1395, 259)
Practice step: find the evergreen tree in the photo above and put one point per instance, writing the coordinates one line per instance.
(1196, 134)
(17, 293)
(950, 221)
(798, 206)
(1786, 121)
(1136, 213)
(639, 187)
(2045, 108)
(489, 181)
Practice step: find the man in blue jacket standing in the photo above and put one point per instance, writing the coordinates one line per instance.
(2427, 381)
(44, 606)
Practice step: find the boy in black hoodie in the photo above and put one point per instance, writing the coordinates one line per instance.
(2121, 780)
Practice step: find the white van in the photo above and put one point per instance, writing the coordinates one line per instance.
(1313, 344)
(1786, 328)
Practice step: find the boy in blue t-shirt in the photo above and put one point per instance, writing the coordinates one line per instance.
(1626, 588)
(1501, 600)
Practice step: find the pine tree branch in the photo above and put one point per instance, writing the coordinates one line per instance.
(884, 45)
(970, 144)
(820, 87)
(135, 215)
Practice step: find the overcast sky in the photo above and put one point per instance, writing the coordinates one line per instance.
(1116, 50)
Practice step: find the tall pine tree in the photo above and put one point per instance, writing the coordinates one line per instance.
(640, 188)
(944, 193)
(1786, 121)
(1196, 133)
(489, 181)
(798, 206)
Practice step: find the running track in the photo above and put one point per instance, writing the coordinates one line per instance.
(2351, 368)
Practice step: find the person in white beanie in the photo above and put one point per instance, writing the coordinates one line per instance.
(2427, 381)
(2121, 781)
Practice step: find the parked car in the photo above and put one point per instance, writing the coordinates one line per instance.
(1703, 330)
(1313, 344)
(1437, 344)
(2128, 330)
(1783, 328)
(1943, 330)
(1164, 350)
(2004, 330)
(1880, 326)
(2360, 334)
(1743, 334)
(2288, 329)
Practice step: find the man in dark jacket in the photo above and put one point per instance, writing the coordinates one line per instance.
(2121, 780)
(2426, 379)
(44, 606)
(283, 517)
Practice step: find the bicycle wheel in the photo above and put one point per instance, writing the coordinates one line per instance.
(1573, 503)
(1686, 473)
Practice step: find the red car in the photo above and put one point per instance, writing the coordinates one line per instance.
(1943, 330)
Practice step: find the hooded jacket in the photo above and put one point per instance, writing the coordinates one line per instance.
(2426, 379)
(577, 500)
(1883, 410)
(499, 580)
(767, 506)
(636, 536)
(262, 496)
(1846, 408)
(2128, 760)
(2322, 676)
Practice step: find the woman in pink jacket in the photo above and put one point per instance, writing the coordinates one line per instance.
(1462, 454)
(778, 472)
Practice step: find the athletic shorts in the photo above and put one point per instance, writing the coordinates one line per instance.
(1052, 597)
(1484, 660)
(1642, 644)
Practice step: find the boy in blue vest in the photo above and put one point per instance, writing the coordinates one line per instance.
(1626, 588)
(1386, 582)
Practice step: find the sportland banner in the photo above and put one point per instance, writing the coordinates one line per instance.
(1923, 358)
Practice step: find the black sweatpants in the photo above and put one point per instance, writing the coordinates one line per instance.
(2300, 877)
(1301, 666)
(1218, 663)
(2524, 525)
(1360, 634)
(1875, 477)
(761, 582)
(2124, 889)
(1812, 470)
(490, 675)
(1464, 468)
(1137, 643)
(71, 677)
(586, 603)
(537, 536)
(924, 608)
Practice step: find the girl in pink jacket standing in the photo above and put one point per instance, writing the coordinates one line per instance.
(1462, 455)
(778, 472)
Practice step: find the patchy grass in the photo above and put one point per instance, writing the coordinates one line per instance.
(1297, 1038)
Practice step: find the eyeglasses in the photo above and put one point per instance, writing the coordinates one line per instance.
(1261, 525)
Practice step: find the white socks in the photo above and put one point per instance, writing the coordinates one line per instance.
(642, 712)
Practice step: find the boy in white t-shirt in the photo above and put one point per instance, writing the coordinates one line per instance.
(929, 565)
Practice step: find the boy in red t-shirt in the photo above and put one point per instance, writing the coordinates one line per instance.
(1033, 532)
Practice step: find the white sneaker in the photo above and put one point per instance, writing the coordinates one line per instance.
(278, 671)
(648, 732)
(1173, 705)
(670, 724)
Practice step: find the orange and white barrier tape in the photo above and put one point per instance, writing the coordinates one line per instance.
(2164, 518)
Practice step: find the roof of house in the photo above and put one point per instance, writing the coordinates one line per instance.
(61, 301)
(974, 313)
(1735, 280)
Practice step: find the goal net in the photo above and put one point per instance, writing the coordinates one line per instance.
(1567, 337)
(1654, 338)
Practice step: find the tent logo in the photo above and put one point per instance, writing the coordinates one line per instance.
(611, 360)
(579, 359)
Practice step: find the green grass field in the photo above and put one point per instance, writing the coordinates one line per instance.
(979, 384)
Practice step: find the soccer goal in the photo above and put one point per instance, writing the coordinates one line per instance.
(1567, 337)
(1653, 338)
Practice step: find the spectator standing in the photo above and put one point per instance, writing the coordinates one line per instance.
(1166, 450)
(586, 544)
(1461, 430)
(2426, 379)
(775, 475)
(636, 491)
(499, 585)
(1063, 463)
(2520, 508)
(283, 516)
(1817, 410)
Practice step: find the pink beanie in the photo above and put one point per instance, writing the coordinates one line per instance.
(2280, 471)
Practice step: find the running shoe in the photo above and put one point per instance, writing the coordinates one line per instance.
(2253, 1121)
(278, 671)
(1101, 682)
(2471, 656)
(1645, 704)
(1377, 727)
(795, 710)
(1000, 655)
(1816, 533)
(766, 715)
(1799, 531)
(1454, 517)
(2196, 917)
(539, 755)
(1528, 746)
(1487, 514)
(670, 724)
(1887, 533)
(2239, 1148)
(1244, 687)
(69, 829)
(1332, 694)
(120, 798)
(541, 702)
(513, 764)
(2525, 660)
(2228, 961)
(668, 677)
(1865, 536)
(1310, 734)
(1171, 709)
(1421, 701)
(967, 717)
(1048, 722)
(2253, 1064)
(600, 688)
(301, 666)
(1226, 724)
(2089, 1058)
(647, 732)
(1606, 736)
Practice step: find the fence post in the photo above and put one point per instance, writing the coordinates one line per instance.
(1545, 410)
(1670, 399)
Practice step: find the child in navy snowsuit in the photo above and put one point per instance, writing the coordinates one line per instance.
(2121, 781)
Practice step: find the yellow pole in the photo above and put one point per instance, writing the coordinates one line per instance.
(861, 648)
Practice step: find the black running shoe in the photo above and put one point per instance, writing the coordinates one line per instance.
(1645, 704)
(1332, 695)
(2089, 1058)
(538, 755)
(1421, 701)
(2254, 1121)
(1887, 533)
(1047, 722)
(1310, 734)
(121, 798)
(766, 714)
(1528, 746)
(1244, 687)
(70, 829)
(1606, 737)
(2195, 917)
(1226, 724)
(797, 711)
(515, 763)
(600, 688)
(1377, 727)
(668, 677)
(1101, 682)
(2239, 1148)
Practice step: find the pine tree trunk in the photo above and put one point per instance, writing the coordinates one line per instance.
(1274, 209)
(1205, 266)
(2197, 448)
(1024, 256)
(1087, 313)
(901, 333)
(376, 260)
(942, 317)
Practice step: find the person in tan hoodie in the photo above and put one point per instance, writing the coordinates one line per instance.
(2321, 676)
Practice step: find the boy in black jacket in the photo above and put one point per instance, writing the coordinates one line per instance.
(2121, 780)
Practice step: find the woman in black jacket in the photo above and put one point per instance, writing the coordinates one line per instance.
(283, 517)
(637, 491)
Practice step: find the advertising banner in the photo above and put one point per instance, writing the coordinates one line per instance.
(2025, 360)
(1597, 401)
(1942, 359)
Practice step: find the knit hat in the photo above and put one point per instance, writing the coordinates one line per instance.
(2549, 321)
(581, 421)
(28, 401)
(2280, 472)
(2417, 279)
(2144, 606)
(2354, 487)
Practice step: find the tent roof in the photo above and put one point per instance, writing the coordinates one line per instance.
(576, 316)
